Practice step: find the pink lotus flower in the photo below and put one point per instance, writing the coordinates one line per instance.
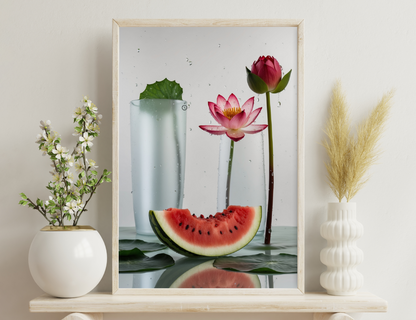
(235, 121)
(268, 69)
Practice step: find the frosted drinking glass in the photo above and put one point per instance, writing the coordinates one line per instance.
(158, 144)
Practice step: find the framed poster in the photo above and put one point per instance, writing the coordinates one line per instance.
(202, 61)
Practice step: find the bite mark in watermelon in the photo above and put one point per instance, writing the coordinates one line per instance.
(221, 234)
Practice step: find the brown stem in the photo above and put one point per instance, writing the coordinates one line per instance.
(86, 202)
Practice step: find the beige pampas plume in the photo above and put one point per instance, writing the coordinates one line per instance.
(350, 157)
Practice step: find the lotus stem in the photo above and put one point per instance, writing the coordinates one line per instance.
(230, 166)
(268, 229)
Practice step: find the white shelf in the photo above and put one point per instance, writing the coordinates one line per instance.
(309, 302)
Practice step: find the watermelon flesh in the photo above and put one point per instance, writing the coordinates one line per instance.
(217, 235)
(207, 276)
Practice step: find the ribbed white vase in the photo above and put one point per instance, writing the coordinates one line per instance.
(341, 256)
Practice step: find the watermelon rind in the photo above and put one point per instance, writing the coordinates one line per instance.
(174, 241)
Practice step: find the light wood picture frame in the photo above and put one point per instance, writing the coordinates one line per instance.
(120, 187)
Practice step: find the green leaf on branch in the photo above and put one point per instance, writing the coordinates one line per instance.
(107, 179)
(164, 89)
(94, 172)
(283, 83)
(23, 196)
(23, 202)
(31, 205)
(68, 216)
(142, 263)
(259, 263)
(88, 148)
(136, 246)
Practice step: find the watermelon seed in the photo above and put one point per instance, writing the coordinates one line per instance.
(231, 231)
(180, 224)
(187, 226)
(231, 211)
(221, 232)
(223, 214)
(208, 232)
(216, 225)
(194, 215)
(193, 229)
(200, 232)
(235, 227)
(202, 216)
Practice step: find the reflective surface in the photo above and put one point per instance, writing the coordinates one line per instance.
(200, 273)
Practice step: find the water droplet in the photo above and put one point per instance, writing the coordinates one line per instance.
(279, 104)
(175, 190)
(205, 172)
(154, 167)
(137, 84)
(190, 63)
(187, 59)
(184, 107)
(272, 174)
(249, 160)
(210, 122)
(209, 84)
(138, 50)
(183, 195)
(258, 99)
(131, 192)
(190, 129)
(219, 45)
(281, 68)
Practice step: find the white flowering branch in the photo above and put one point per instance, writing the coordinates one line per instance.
(66, 200)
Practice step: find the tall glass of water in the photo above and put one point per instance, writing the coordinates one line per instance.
(158, 146)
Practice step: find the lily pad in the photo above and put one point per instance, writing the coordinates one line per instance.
(142, 263)
(259, 263)
(136, 247)
(164, 89)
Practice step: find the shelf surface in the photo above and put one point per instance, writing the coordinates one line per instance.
(309, 302)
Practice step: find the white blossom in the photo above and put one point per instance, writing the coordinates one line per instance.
(61, 152)
(56, 177)
(87, 103)
(71, 206)
(99, 117)
(88, 118)
(78, 150)
(92, 164)
(44, 150)
(70, 177)
(70, 160)
(51, 137)
(79, 113)
(40, 138)
(86, 140)
(45, 125)
(79, 166)
(93, 108)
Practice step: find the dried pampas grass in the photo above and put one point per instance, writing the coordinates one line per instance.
(350, 156)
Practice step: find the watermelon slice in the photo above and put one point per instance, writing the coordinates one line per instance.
(218, 235)
(207, 276)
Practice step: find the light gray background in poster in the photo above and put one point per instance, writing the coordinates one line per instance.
(207, 62)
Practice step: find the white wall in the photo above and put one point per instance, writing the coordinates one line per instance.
(54, 52)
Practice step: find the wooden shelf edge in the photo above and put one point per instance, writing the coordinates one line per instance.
(309, 302)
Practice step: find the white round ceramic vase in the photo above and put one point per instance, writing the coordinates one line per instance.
(341, 256)
(67, 263)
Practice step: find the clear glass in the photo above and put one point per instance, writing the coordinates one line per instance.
(248, 180)
(158, 146)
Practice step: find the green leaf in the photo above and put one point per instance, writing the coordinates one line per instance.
(164, 89)
(107, 179)
(23, 196)
(31, 205)
(78, 129)
(142, 263)
(68, 216)
(136, 246)
(23, 202)
(88, 148)
(283, 83)
(94, 172)
(256, 83)
(259, 263)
